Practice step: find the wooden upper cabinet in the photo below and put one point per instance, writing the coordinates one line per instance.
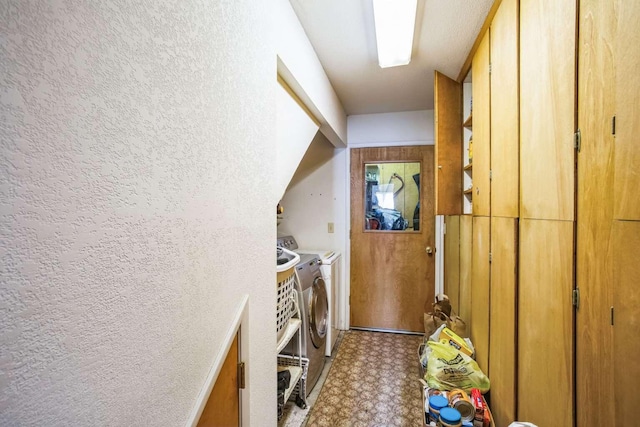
(627, 122)
(481, 90)
(448, 145)
(505, 150)
(547, 108)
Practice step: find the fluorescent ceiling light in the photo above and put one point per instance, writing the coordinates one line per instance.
(395, 22)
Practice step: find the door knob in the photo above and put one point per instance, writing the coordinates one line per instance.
(429, 250)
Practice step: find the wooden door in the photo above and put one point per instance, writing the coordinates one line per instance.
(452, 260)
(480, 290)
(626, 237)
(392, 276)
(547, 108)
(502, 336)
(481, 90)
(466, 238)
(448, 145)
(627, 155)
(223, 405)
(504, 111)
(545, 323)
(595, 189)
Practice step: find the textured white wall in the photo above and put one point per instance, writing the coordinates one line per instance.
(136, 170)
(309, 203)
(385, 129)
(299, 66)
(294, 132)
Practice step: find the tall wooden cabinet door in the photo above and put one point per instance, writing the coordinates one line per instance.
(448, 145)
(466, 238)
(505, 150)
(480, 291)
(627, 122)
(545, 323)
(481, 95)
(502, 336)
(547, 108)
(594, 274)
(627, 322)
(452, 260)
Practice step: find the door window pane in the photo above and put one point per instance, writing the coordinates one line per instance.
(392, 196)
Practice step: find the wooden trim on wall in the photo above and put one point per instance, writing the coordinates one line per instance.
(485, 26)
(296, 98)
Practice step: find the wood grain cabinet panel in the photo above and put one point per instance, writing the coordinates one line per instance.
(505, 150)
(480, 290)
(547, 108)
(448, 145)
(502, 336)
(466, 238)
(545, 323)
(627, 322)
(481, 94)
(594, 273)
(452, 260)
(627, 123)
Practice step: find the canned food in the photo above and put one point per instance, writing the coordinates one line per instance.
(459, 400)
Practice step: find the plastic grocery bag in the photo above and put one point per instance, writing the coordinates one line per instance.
(448, 368)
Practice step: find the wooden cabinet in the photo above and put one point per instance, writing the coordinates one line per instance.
(594, 261)
(505, 146)
(627, 110)
(502, 315)
(466, 254)
(554, 218)
(481, 90)
(452, 260)
(547, 108)
(479, 326)
(545, 323)
(626, 238)
(448, 145)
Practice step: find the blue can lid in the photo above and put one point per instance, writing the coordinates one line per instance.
(438, 402)
(450, 415)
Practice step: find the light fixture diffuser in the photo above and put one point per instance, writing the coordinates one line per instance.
(395, 22)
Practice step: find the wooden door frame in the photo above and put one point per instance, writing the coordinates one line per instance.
(432, 227)
(345, 305)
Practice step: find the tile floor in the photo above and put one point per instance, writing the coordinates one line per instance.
(370, 380)
(294, 416)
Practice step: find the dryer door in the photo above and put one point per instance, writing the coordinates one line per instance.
(318, 312)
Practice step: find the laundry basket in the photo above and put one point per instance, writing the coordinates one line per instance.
(285, 306)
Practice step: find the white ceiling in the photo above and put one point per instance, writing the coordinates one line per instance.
(343, 35)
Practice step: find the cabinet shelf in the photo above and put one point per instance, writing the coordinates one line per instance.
(468, 166)
(468, 192)
(469, 122)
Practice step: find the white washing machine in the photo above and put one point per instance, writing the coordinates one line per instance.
(312, 300)
(331, 273)
(331, 269)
